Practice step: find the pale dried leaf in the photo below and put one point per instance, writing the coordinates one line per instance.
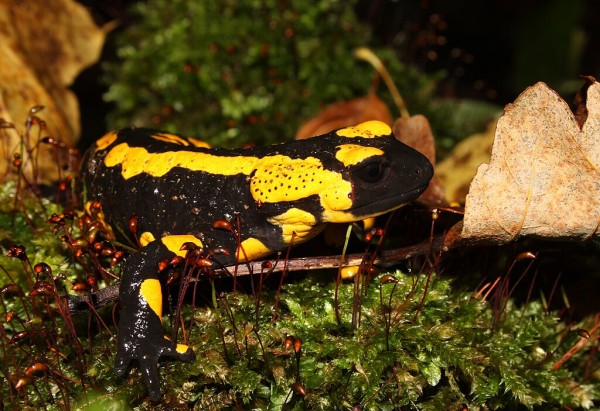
(543, 179)
(44, 46)
(19, 90)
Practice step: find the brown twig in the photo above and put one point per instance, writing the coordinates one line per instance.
(110, 294)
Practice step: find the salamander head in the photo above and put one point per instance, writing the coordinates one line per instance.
(344, 176)
(383, 173)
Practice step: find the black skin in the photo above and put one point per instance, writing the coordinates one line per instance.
(141, 335)
(188, 202)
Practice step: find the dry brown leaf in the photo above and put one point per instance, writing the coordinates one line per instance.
(543, 179)
(345, 114)
(44, 45)
(415, 131)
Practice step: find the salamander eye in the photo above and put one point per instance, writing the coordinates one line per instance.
(371, 172)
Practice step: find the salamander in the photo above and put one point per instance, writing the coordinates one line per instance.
(178, 187)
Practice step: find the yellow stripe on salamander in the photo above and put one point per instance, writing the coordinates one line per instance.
(170, 138)
(276, 178)
(137, 160)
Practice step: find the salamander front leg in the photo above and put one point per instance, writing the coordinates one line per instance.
(141, 336)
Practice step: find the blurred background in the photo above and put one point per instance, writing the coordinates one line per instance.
(483, 51)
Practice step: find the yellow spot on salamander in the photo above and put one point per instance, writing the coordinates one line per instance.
(170, 138)
(349, 272)
(174, 243)
(297, 221)
(368, 129)
(368, 223)
(182, 348)
(146, 238)
(252, 249)
(151, 293)
(106, 140)
(350, 154)
(137, 160)
(335, 199)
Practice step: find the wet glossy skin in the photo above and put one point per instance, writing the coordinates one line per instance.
(178, 188)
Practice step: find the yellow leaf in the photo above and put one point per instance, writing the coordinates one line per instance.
(457, 170)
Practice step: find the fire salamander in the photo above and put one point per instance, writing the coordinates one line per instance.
(179, 186)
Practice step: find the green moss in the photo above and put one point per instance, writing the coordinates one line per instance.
(241, 71)
(449, 354)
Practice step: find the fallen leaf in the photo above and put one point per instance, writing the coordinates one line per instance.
(457, 170)
(44, 46)
(344, 114)
(543, 179)
(415, 131)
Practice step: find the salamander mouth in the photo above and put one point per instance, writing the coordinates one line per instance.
(384, 205)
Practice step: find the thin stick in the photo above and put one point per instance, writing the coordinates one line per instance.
(110, 294)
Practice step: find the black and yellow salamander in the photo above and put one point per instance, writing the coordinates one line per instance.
(177, 187)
